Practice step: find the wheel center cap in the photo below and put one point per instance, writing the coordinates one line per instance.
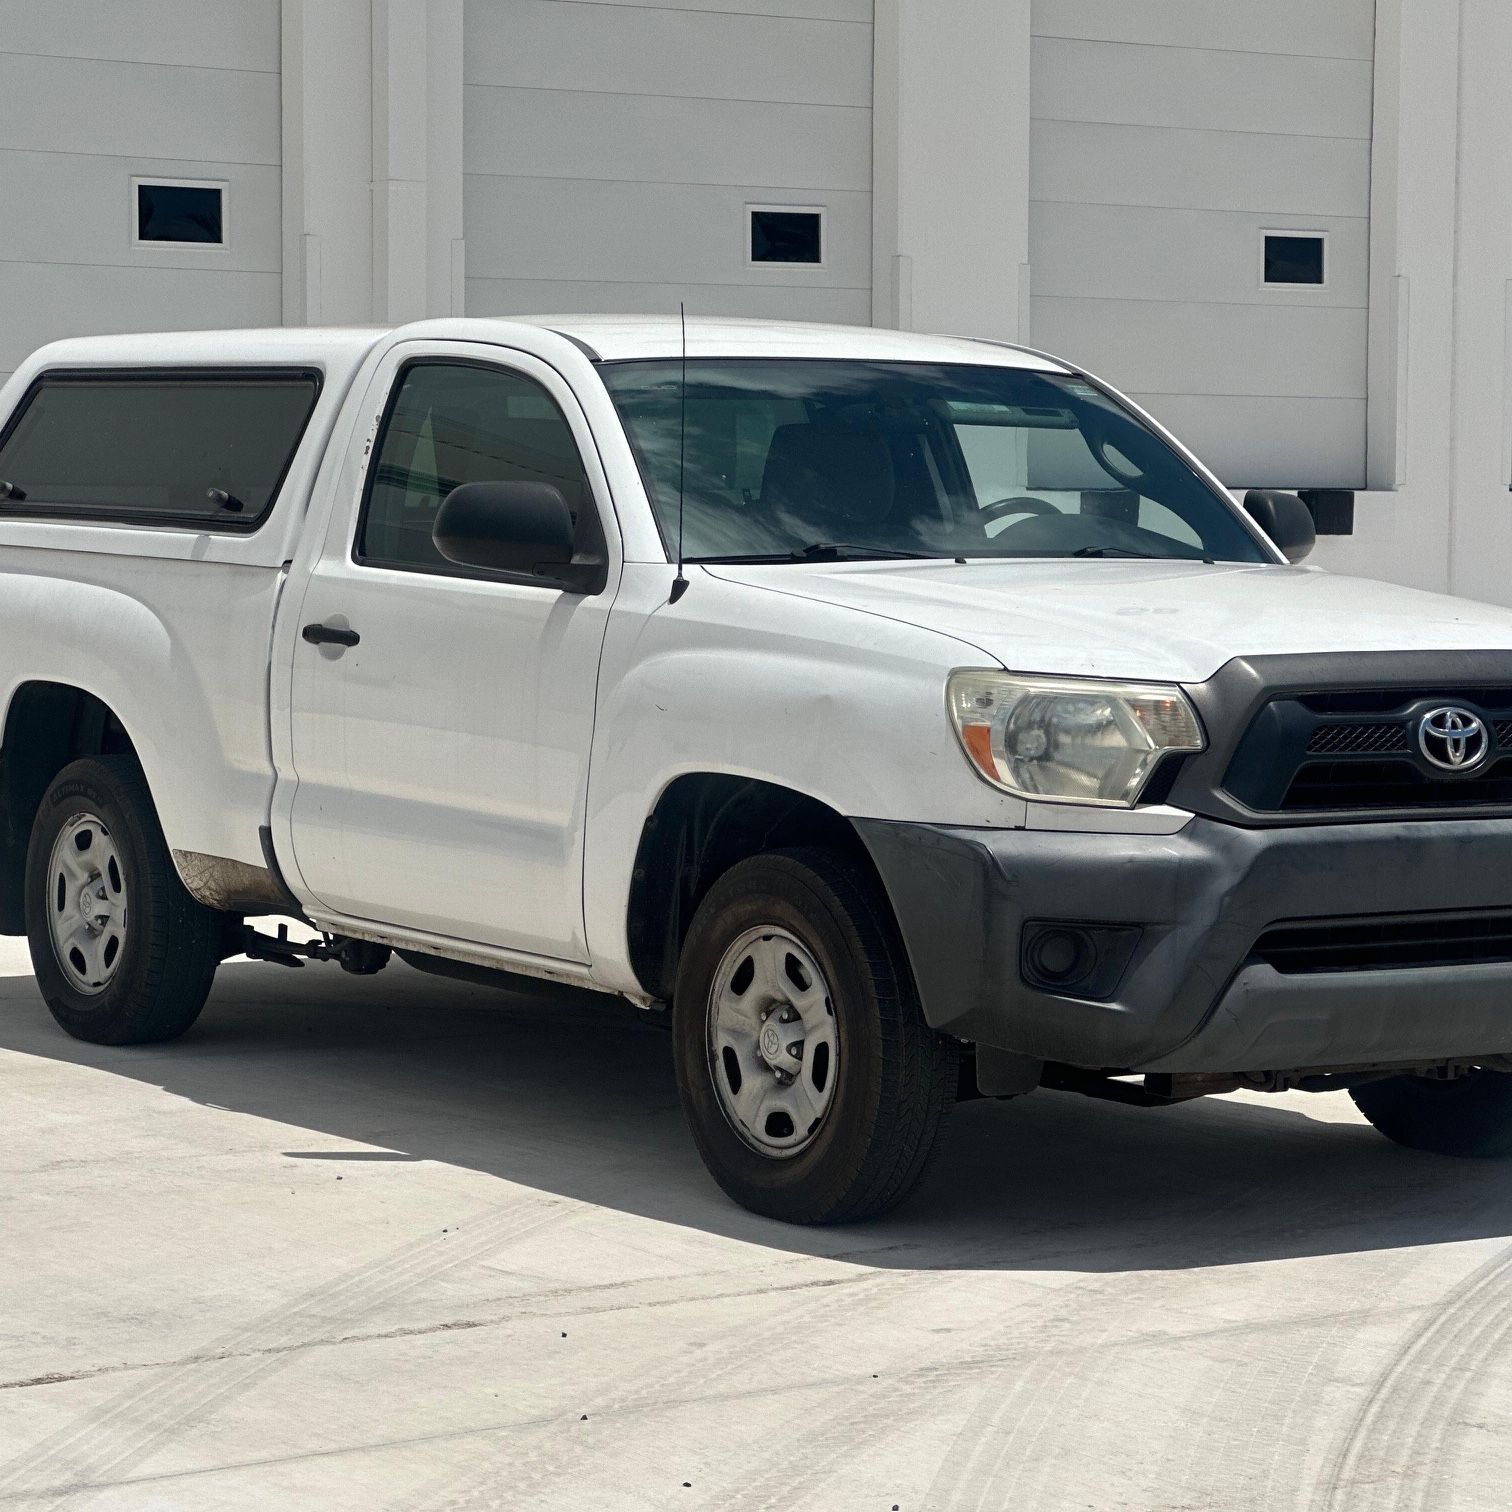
(771, 1044)
(88, 904)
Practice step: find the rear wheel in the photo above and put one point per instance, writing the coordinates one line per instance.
(814, 1089)
(123, 955)
(1469, 1116)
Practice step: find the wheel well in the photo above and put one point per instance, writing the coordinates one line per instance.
(49, 725)
(703, 824)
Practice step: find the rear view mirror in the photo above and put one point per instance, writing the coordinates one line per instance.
(1285, 519)
(524, 529)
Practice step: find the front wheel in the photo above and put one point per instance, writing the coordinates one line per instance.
(1469, 1116)
(123, 955)
(814, 1089)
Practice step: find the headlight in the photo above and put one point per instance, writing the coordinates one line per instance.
(1066, 740)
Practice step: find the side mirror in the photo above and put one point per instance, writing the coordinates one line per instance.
(524, 529)
(1285, 519)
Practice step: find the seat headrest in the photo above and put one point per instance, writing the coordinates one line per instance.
(826, 474)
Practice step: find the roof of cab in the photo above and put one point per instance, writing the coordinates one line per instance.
(609, 338)
(619, 338)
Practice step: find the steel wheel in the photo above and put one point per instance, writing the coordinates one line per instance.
(812, 1084)
(87, 904)
(773, 1048)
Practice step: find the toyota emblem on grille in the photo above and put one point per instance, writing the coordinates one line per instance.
(1454, 740)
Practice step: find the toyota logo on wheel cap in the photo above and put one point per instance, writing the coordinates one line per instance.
(1454, 740)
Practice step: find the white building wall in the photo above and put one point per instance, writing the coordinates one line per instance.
(1168, 136)
(372, 184)
(1441, 333)
(94, 94)
(951, 156)
(1115, 159)
(611, 150)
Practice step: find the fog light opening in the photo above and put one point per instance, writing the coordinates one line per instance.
(1062, 957)
(1080, 960)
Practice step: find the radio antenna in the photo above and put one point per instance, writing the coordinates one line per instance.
(680, 582)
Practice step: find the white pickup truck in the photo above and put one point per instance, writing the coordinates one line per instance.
(902, 717)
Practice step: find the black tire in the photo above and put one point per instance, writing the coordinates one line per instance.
(171, 944)
(1470, 1116)
(896, 1078)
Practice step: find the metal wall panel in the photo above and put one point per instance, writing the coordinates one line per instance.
(807, 10)
(715, 53)
(45, 301)
(1129, 84)
(184, 89)
(534, 229)
(1086, 162)
(138, 109)
(611, 149)
(664, 139)
(1167, 137)
(1311, 28)
(231, 34)
(1150, 252)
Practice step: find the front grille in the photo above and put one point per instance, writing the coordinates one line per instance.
(1392, 785)
(1337, 703)
(1358, 750)
(1380, 944)
(1357, 739)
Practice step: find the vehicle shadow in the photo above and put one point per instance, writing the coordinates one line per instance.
(571, 1094)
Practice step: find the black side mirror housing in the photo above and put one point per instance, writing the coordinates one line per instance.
(1285, 519)
(523, 529)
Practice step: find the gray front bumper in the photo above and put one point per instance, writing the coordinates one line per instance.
(1193, 997)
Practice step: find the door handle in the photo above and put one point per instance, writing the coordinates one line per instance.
(330, 635)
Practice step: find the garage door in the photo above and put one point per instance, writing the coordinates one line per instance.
(616, 155)
(1199, 220)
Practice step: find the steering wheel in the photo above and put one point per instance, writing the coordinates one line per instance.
(1018, 504)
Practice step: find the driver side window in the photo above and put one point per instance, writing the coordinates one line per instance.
(450, 423)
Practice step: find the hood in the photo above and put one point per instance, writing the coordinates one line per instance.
(1161, 621)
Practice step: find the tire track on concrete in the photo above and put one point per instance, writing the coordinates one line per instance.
(1252, 1447)
(1026, 1401)
(1048, 1355)
(1392, 1456)
(1227, 1432)
(514, 1471)
(124, 1431)
(579, 1301)
(860, 1417)
(980, 1479)
(999, 1456)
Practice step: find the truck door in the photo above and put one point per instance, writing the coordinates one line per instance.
(441, 754)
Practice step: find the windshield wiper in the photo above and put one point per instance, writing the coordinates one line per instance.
(1123, 551)
(818, 550)
(829, 551)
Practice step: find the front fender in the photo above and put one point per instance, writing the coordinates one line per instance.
(844, 707)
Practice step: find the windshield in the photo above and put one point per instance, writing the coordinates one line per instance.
(794, 460)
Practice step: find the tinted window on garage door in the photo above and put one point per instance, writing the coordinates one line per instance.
(155, 448)
(452, 423)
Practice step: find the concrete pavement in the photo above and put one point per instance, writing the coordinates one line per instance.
(404, 1244)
